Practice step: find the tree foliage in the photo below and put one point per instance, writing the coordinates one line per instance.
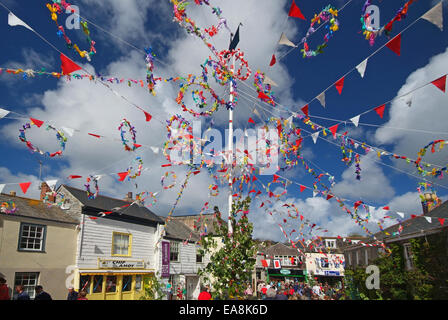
(231, 261)
(153, 289)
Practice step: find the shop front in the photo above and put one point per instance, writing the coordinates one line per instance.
(286, 274)
(114, 280)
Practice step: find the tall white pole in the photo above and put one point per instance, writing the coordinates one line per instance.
(230, 154)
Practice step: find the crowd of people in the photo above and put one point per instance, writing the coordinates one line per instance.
(295, 290)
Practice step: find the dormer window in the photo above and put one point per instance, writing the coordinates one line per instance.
(330, 244)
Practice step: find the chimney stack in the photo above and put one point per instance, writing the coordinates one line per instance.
(44, 188)
(12, 193)
(129, 197)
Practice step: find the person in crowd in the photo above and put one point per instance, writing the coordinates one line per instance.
(41, 294)
(82, 295)
(281, 295)
(4, 290)
(169, 289)
(22, 294)
(205, 294)
(271, 293)
(72, 294)
(264, 290)
(249, 292)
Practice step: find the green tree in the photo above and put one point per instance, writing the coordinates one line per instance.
(231, 266)
(153, 289)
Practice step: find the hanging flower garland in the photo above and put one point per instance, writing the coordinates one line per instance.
(264, 91)
(328, 14)
(370, 33)
(55, 9)
(149, 59)
(123, 125)
(165, 176)
(59, 136)
(138, 172)
(142, 196)
(91, 195)
(358, 167)
(8, 207)
(213, 189)
(179, 134)
(198, 97)
(243, 72)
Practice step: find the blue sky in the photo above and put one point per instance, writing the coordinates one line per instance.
(89, 106)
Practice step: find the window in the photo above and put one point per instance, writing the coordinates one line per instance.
(199, 257)
(330, 244)
(32, 237)
(121, 244)
(324, 263)
(174, 251)
(28, 280)
(111, 284)
(408, 256)
(97, 284)
(84, 283)
(127, 283)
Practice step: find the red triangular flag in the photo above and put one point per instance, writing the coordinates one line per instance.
(275, 177)
(24, 186)
(273, 60)
(251, 120)
(122, 175)
(441, 220)
(94, 135)
(68, 66)
(334, 129)
(329, 196)
(440, 83)
(148, 116)
(386, 208)
(380, 110)
(254, 178)
(339, 85)
(38, 123)
(295, 12)
(305, 110)
(302, 188)
(395, 44)
(262, 95)
(137, 145)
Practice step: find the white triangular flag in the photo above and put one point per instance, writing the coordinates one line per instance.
(98, 177)
(51, 184)
(355, 120)
(69, 131)
(435, 15)
(321, 99)
(315, 193)
(289, 120)
(2, 186)
(428, 219)
(3, 113)
(15, 21)
(155, 149)
(285, 41)
(257, 113)
(356, 145)
(401, 214)
(268, 80)
(362, 68)
(315, 136)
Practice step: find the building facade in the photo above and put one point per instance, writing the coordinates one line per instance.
(37, 245)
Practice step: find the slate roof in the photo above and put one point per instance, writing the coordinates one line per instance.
(417, 224)
(133, 213)
(32, 208)
(179, 231)
(281, 249)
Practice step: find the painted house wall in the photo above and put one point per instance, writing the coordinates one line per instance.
(58, 255)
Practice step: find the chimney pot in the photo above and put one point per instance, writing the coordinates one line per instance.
(12, 193)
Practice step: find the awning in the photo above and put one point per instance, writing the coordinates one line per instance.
(111, 271)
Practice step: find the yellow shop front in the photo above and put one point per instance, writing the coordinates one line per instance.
(114, 280)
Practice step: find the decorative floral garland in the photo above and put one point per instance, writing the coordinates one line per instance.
(91, 195)
(213, 189)
(266, 89)
(59, 135)
(226, 57)
(166, 174)
(142, 196)
(371, 33)
(6, 205)
(180, 139)
(138, 160)
(125, 123)
(55, 10)
(329, 13)
(198, 97)
(149, 70)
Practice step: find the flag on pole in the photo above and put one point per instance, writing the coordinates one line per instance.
(235, 40)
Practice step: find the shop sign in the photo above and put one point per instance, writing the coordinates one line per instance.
(285, 271)
(121, 264)
(165, 259)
